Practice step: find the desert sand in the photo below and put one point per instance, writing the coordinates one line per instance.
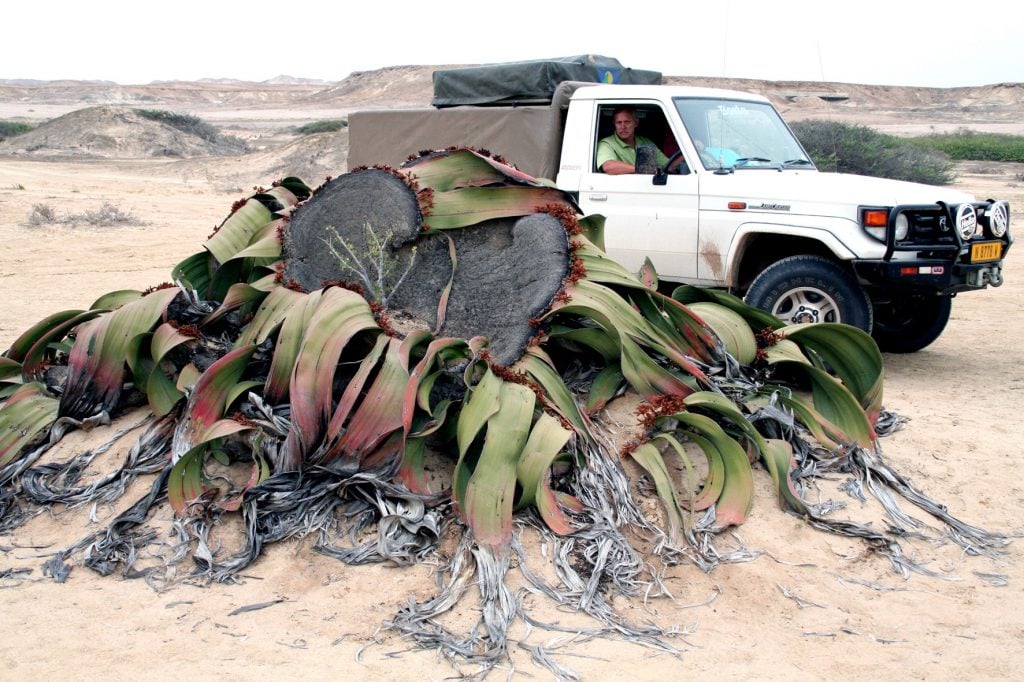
(811, 606)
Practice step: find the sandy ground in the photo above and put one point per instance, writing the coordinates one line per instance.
(962, 396)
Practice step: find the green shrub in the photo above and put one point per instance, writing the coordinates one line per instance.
(183, 122)
(970, 145)
(327, 126)
(846, 148)
(12, 128)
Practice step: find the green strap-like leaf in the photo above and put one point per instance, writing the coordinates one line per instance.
(27, 412)
(238, 230)
(851, 354)
(487, 506)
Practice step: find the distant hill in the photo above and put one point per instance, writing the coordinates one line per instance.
(115, 132)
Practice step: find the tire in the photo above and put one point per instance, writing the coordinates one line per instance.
(811, 289)
(909, 322)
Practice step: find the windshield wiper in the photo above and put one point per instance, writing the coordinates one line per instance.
(743, 161)
(796, 162)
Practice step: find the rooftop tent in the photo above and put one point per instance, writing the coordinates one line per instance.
(529, 82)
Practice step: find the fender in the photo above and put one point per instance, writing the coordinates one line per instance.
(821, 235)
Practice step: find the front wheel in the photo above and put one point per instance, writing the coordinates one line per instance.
(906, 323)
(811, 289)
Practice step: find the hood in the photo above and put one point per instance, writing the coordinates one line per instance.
(813, 193)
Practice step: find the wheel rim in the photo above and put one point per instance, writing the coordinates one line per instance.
(806, 304)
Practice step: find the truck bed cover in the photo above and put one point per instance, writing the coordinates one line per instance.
(529, 82)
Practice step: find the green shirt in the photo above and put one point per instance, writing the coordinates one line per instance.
(612, 148)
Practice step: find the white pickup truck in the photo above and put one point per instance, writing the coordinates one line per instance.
(746, 210)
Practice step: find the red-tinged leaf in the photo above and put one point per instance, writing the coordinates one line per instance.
(37, 357)
(238, 295)
(166, 338)
(286, 350)
(354, 389)
(208, 401)
(491, 488)
(824, 431)
(379, 415)
(339, 316)
(604, 387)
(547, 440)
(24, 343)
(259, 473)
(97, 361)
(737, 489)
(452, 170)
(446, 292)
(420, 372)
(648, 275)
(271, 313)
(465, 207)
(647, 377)
(222, 428)
(411, 473)
(26, 414)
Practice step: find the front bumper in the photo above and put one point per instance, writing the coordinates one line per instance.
(939, 275)
(939, 259)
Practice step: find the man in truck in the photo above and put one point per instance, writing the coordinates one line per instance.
(616, 154)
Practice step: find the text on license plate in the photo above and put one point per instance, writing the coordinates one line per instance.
(986, 251)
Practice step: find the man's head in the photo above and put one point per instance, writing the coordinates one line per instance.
(625, 124)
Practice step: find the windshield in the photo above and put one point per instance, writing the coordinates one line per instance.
(736, 134)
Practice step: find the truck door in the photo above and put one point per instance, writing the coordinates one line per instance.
(643, 219)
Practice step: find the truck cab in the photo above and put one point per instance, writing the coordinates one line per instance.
(748, 211)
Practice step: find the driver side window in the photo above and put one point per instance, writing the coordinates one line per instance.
(651, 127)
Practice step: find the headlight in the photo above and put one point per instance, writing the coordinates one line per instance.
(966, 221)
(902, 227)
(998, 218)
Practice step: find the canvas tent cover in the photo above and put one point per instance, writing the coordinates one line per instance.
(530, 82)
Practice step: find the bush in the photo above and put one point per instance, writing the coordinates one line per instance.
(327, 126)
(106, 215)
(969, 145)
(12, 128)
(846, 148)
(183, 122)
(41, 214)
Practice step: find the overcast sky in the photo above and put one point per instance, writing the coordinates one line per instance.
(937, 43)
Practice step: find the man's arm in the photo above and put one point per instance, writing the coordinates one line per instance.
(609, 162)
(613, 167)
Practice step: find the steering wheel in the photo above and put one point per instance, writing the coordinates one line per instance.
(677, 154)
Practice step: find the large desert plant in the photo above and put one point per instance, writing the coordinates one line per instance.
(323, 414)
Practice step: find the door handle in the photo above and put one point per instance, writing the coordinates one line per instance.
(599, 197)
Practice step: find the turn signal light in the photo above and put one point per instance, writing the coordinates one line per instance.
(875, 217)
(737, 205)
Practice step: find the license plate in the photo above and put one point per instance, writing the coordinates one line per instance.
(986, 251)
